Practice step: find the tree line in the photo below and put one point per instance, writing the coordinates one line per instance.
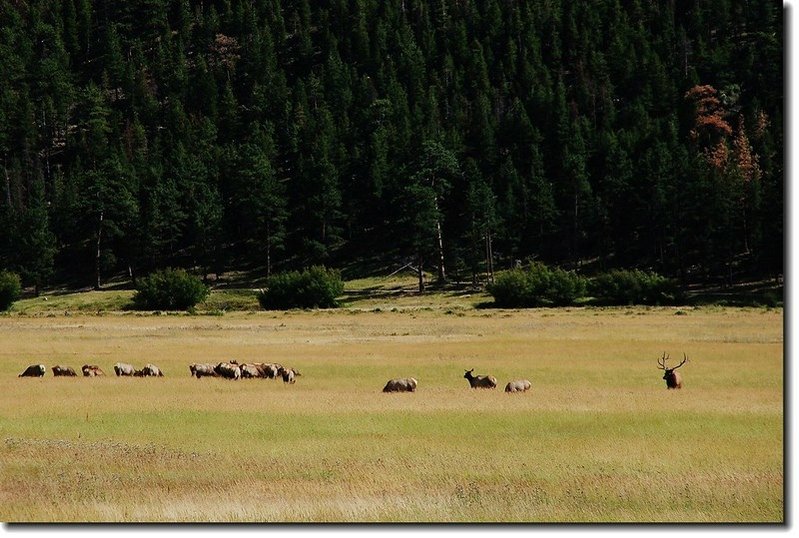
(458, 136)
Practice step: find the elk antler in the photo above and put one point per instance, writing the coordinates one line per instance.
(662, 361)
(684, 360)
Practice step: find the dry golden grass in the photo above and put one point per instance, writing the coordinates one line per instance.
(598, 438)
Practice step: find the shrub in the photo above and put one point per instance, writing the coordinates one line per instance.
(537, 285)
(316, 287)
(10, 289)
(169, 289)
(627, 287)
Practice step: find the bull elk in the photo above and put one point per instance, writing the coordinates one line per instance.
(673, 379)
(480, 381)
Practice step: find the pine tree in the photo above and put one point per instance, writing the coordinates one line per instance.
(435, 169)
(34, 246)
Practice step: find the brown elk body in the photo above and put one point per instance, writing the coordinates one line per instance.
(91, 370)
(288, 374)
(228, 370)
(63, 371)
(151, 370)
(34, 370)
(405, 384)
(673, 379)
(124, 369)
(250, 370)
(519, 385)
(480, 381)
(199, 370)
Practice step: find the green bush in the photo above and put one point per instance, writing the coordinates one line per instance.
(537, 285)
(316, 287)
(169, 289)
(628, 287)
(10, 289)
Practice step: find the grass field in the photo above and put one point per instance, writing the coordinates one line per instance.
(597, 439)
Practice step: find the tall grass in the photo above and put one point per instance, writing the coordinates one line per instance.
(598, 438)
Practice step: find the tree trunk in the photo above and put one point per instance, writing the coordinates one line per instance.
(489, 256)
(97, 252)
(8, 184)
(420, 272)
(268, 249)
(442, 276)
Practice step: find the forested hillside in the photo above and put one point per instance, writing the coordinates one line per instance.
(466, 134)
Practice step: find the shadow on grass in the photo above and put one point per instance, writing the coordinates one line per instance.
(745, 296)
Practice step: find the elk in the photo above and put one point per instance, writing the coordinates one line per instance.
(288, 374)
(202, 370)
(34, 370)
(673, 379)
(151, 370)
(124, 369)
(520, 385)
(405, 384)
(91, 370)
(65, 371)
(480, 381)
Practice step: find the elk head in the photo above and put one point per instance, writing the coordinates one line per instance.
(673, 379)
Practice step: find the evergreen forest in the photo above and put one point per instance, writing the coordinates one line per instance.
(461, 136)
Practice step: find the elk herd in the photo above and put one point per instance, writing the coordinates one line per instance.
(233, 370)
(228, 370)
(269, 370)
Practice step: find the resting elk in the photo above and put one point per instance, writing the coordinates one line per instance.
(673, 379)
(480, 381)
(520, 385)
(405, 384)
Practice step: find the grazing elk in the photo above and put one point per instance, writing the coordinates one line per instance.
(91, 370)
(34, 370)
(151, 370)
(519, 385)
(673, 379)
(63, 371)
(272, 370)
(288, 374)
(124, 369)
(228, 370)
(252, 369)
(480, 381)
(202, 370)
(404, 384)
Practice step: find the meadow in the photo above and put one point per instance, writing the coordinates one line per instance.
(598, 438)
